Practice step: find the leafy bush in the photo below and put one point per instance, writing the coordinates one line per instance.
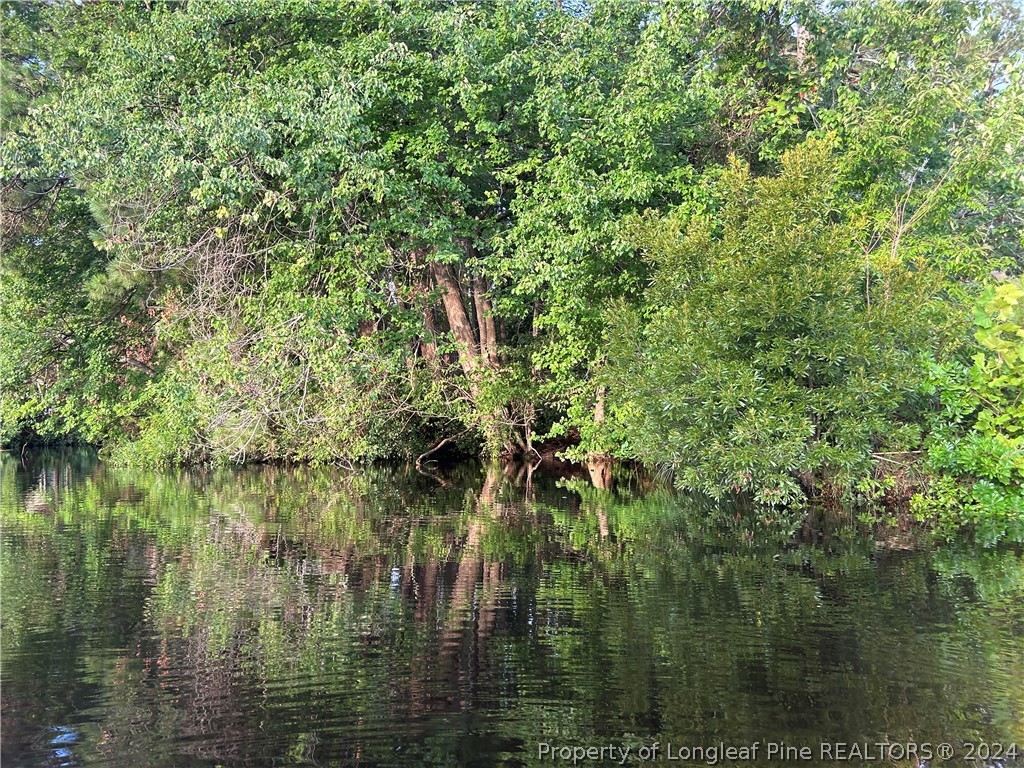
(277, 394)
(782, 350)
(977, 444)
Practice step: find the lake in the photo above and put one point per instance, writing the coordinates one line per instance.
(473, 616)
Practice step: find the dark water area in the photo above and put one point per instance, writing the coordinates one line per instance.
(312, 616)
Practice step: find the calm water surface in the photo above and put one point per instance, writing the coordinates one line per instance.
(275, 616)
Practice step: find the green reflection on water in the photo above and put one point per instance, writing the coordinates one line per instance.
(293, 615)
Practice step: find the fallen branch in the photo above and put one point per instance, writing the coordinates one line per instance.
(438, 446)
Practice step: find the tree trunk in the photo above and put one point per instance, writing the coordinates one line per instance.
(485, 322)
(458, 320)
(428, 347)
(468, 344)
(367, 327)
(600, 466)
(600, 470)
(420, 302)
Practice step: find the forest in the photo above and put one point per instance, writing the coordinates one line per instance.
(772, 248)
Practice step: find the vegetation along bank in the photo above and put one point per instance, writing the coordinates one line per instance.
(773, 246)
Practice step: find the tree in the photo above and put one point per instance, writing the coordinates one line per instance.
(306, 231)
(773, 359)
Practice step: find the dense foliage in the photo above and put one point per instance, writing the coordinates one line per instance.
(740, 239)
(767, 360)
(979, 432)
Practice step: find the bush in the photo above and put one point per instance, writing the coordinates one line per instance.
(783, 350)
(976, 447)
(271, 396)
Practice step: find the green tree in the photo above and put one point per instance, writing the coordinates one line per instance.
(779, 351)
(73, 342)
(301, 179)
(322, 231)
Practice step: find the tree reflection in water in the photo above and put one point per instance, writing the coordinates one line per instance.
(290, 615)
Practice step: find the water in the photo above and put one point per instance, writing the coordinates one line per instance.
(275, 616)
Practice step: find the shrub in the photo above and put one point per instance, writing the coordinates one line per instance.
(976, 447)
(783, 349)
